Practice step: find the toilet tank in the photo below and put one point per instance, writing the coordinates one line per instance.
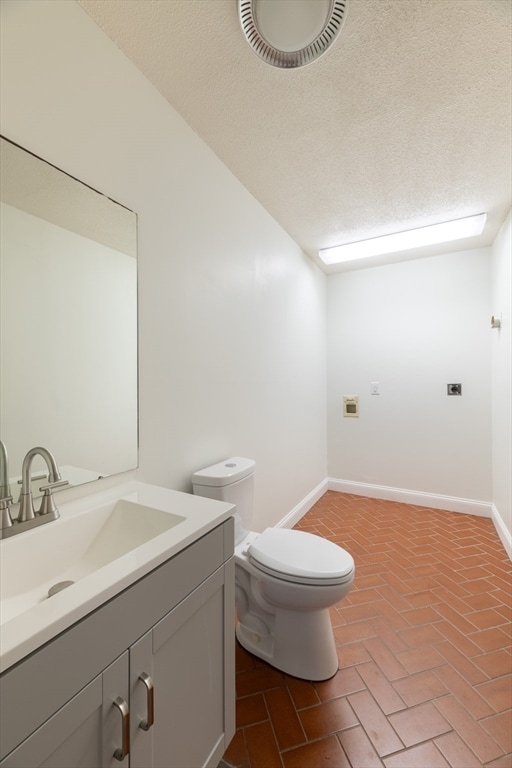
(232, 481)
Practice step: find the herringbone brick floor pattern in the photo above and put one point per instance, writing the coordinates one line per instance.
(424, 647)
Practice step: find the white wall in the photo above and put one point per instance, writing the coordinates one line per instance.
(231, 312)
(501, 376)
(413, 327)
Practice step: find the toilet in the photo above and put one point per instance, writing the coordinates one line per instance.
(285, 580)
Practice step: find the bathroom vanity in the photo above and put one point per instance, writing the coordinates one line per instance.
(116, 618)
(145, 676)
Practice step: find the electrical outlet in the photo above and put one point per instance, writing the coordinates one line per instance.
(454, 389)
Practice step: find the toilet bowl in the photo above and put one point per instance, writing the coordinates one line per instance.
(285, 581)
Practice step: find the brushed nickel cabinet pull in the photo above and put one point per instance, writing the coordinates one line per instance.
(124, 750)
(150, 691)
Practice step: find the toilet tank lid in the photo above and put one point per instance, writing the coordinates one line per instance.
(225, 472)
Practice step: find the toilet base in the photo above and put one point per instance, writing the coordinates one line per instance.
(300, 644)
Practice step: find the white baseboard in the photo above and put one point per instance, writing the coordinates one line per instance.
(289, 520)
(419, 498)
(502, 530)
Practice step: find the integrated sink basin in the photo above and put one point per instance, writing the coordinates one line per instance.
(52, 576)
(72, 549)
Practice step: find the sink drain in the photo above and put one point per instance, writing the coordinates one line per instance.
(59, 587)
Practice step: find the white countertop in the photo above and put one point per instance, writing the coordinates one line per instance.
(39, 619)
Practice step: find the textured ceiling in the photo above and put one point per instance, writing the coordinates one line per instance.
(405, 122)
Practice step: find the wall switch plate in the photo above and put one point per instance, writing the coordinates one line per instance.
(454, 389)
(375, 387)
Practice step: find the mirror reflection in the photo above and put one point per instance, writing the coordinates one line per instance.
(68, 322)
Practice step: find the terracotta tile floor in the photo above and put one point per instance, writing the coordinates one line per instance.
(424, 647)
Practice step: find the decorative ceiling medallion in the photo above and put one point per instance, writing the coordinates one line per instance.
(293, 59)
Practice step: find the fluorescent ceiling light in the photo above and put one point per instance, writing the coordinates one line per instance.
(403, 241)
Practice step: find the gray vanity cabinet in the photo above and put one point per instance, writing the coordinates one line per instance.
(176, 675)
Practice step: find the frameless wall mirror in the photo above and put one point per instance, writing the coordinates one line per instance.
(68, 322)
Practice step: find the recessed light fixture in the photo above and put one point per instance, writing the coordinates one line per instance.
(291, 33)
(403, 241)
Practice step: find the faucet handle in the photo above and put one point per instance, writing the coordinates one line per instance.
(5, 515)
(50, 486)
(47, 502)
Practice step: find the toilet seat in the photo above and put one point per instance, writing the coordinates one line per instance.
(300, 557)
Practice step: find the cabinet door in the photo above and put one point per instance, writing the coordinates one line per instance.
(84, 733)
(72, 737)
(189, 669)
(141, 702)
(115, 714)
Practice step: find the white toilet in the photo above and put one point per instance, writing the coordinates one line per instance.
(286, 580)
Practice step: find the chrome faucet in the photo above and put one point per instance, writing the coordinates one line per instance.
(5, 490)
(55, 480)
(27, 516)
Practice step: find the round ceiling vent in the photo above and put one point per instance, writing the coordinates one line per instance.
(291, 33)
